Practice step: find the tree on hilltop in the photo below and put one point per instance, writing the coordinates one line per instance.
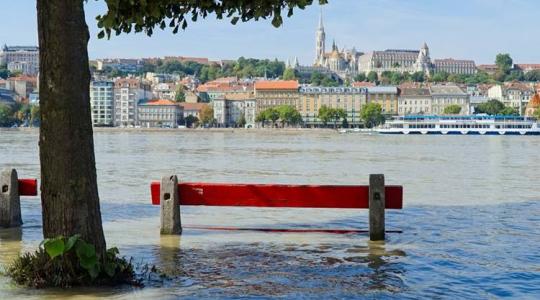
(504, 62)
(289, 74)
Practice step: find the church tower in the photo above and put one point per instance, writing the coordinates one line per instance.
(423, 62)
(320, 43)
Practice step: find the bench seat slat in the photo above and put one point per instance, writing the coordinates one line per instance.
(28, 187)
(279, 195)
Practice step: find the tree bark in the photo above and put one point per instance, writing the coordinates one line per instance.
(69, 194)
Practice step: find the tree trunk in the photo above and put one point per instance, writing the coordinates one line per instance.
(69, 194)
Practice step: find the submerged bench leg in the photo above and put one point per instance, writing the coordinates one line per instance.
(376, 207)
(170, 206)
(10, 202)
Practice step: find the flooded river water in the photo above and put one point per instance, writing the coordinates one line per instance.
(471, 221)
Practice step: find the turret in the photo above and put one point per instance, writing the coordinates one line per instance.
(423, 62)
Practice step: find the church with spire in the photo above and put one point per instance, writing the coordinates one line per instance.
(342, 62)
(350, 62)
(347, 63)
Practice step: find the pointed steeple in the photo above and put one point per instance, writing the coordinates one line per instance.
(296, 62)
(321, 26)
(320, 43)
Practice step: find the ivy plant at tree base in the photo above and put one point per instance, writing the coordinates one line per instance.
(65, 262)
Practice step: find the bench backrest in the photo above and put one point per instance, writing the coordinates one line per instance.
(279, 195)
(28, 187)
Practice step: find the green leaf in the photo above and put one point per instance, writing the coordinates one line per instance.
(86, 254)
(93, 271)
(113, 251)
(88, 262)
(54, 247)
(43, 242)
(71, 242)
(110, 269)
(101, 34)
(277, 21)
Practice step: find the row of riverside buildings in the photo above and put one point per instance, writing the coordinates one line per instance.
(309, 99)
(150, 101)
(129, 102)
(430, 99)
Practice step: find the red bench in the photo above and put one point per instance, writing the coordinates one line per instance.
(11, 188)
(376, 197)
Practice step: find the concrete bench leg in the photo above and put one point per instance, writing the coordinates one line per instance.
(10, 202)
(376, 207)
(170, 206)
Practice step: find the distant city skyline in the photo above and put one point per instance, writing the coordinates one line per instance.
(461, 29)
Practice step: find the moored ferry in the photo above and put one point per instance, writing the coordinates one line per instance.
(463, 125)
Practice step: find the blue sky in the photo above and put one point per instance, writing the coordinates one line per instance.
(472, 29)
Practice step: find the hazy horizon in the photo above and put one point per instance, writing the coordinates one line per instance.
(462, 29)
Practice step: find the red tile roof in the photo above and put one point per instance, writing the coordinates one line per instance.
(528, 66)
(516, 85)
(160, 102)
(223, 87)
(277, 85)
(193, 106)
(123, 82)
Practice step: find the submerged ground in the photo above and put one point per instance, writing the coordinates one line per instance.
(470, 223)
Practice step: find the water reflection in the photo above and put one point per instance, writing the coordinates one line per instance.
(283, 269)
(10, 244)
(11, 234)
(169, 255)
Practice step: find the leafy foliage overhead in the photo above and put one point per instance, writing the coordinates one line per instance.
(146, 15)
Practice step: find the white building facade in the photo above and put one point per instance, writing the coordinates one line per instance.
(350, 99)
(446, 95)
(228, 112)
(413, 101)
(454, 66)
(160, 113)
(396, 60)
(102, 103)
(128, 92)
(20, 58)
(513, 94)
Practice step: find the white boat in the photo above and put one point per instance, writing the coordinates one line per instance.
(461, 125)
